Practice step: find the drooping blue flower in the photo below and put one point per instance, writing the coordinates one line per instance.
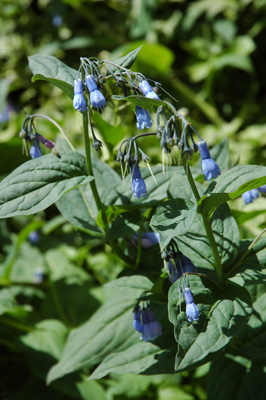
(192, 311)
(138, 184)
(79, 102)
(35, 150)
(262, 189)
(57, 20)
(147, 239)
(97, 99)
(178, 266)
(148, 91)
(144, 321)
(143, 118)
(137, 325)
(250, 196)
(209, 167)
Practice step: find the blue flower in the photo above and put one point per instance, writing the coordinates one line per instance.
(148, 91)
(147, 239)
(138, 184)
(79, 102)
(178, 266)
(57, 20)
(143, 118)
(192, 311)
(262, 189)
(144, 321)
(97, 99)
(35, 150)
(209, 167)
(250, 195)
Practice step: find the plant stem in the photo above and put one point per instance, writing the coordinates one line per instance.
(207, 224)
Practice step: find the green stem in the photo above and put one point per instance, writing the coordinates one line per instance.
(15, 324)
(195, 98)
(207, 224)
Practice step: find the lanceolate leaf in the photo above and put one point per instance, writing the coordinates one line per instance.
(232, 184)
(49, 68)
(132, 286)
(126, 62)
(40, 182)
(222, 316)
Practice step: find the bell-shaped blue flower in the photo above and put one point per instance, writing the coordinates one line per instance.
(148, 239)
(35, 150)
(209, 167)
(143, 118)
(137, 325)
(262, 189)
(179, 266)
(250, 196)
(79, 103)
(138, 184)
(192, 311)
(97, 99)
(148, 91)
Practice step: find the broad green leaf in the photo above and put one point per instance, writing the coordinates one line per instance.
(232, 184)
(140, 358)
(49, 68)
(144, 102)
(40, 182)
(125, 224)
(78, 206)
(108, 330)
(126, 62)
(132, 286)
(173, 218)
(233, 378)
(251, 270)
(222, 316)
(253, 338)
(48, 336)
(195, 244)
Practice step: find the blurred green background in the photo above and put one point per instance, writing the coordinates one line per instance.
(209, 55)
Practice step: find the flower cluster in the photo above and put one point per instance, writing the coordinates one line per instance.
(32, 138)
(144, 322)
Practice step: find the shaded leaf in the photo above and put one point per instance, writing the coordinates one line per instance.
(126, 62)
(132, 286)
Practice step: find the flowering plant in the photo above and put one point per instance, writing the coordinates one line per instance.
(205, 308)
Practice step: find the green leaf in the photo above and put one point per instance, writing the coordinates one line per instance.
(251, 270)
(108, 330)
(222, 316)
(144, 102)
(125, 224)
(47, 337)
(132, 286)
(173, 218)
(49, 68)
(233, 183)
(141, 358)
(235, 379)
(126, 62)
(195, 244)
(78, 206)
(252, 341)
(38, 183)
(9, 304)
(112, 135)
